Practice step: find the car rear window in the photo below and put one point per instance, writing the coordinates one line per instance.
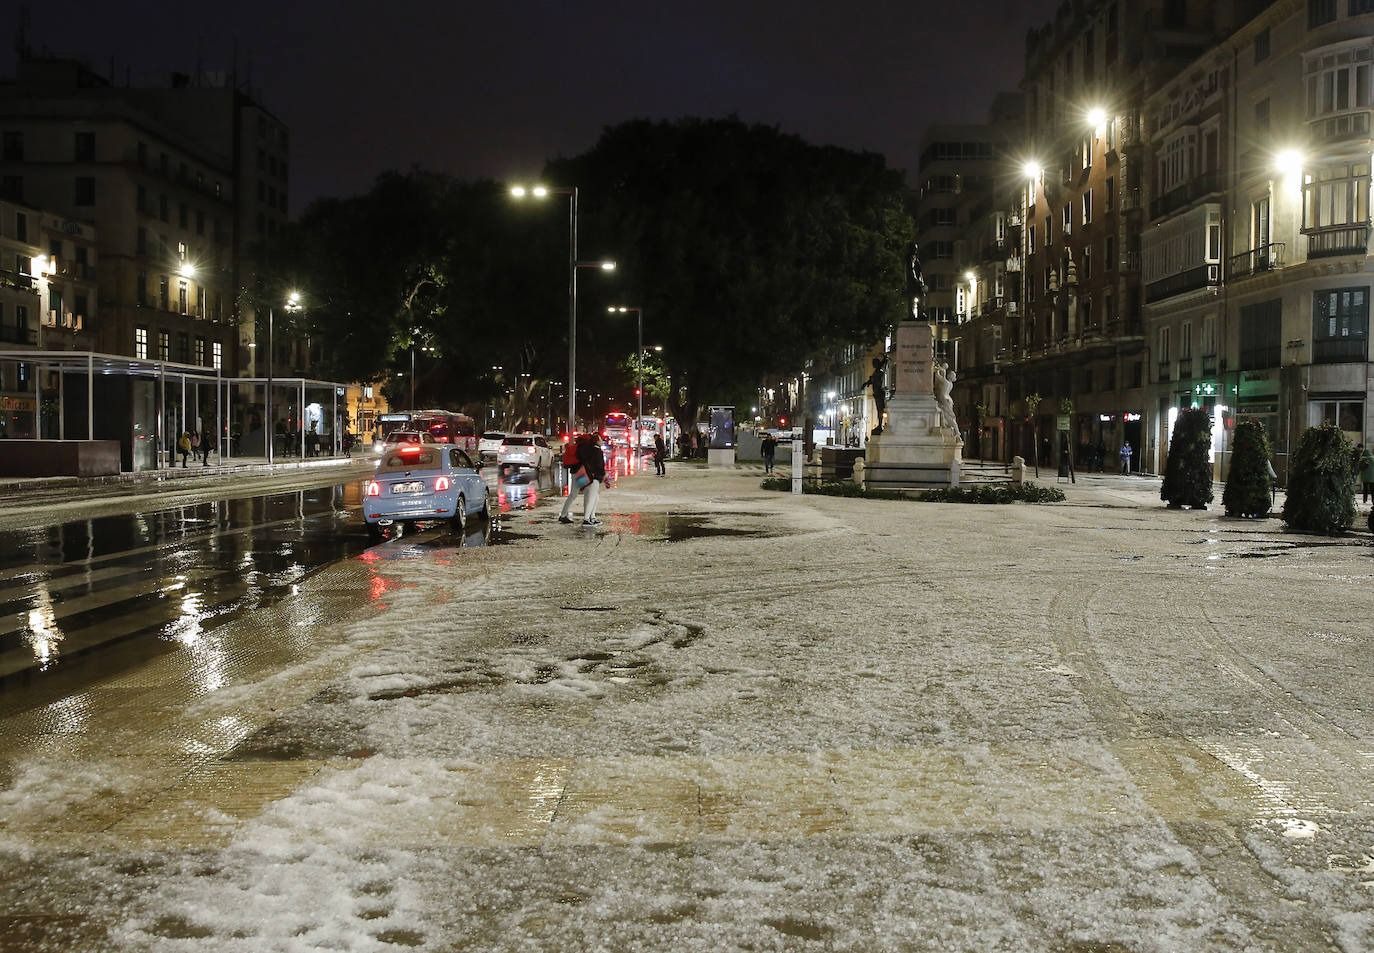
(403, 436)
(519, 441)
(426, 459)
(494, 435)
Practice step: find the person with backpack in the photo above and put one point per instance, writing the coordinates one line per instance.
(592, 461)
(207, 444)
(575, 474)
(660, 454)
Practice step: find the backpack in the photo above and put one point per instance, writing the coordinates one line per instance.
(570, 453)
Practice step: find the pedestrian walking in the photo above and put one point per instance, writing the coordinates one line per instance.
(207, 444)
(1273, 483)
(1126, 452)
(1367, 471)
(577, 480)
(184, 447)
(769, 448)
(660, 455)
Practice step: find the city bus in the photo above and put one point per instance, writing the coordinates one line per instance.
(619, 428)
(447, 427)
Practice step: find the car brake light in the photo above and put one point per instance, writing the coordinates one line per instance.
(441, 484)
(410, 451)
(374, 488)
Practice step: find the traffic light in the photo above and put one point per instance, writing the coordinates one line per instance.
(636, 391)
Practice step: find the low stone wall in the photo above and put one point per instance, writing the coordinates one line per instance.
(42, 458)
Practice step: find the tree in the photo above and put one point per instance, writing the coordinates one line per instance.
(1321, 483)
(753, 249)
(1188, 472)
(1248, 487)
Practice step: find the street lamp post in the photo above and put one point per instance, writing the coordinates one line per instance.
(269, 431)
(542, 192)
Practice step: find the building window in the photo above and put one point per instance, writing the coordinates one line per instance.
(1068, 218)
(1087, 263)
(55, 308)
(1340, 325)
(84, 147)
(1176, 164)
(1108, 307)
(200, 301)
(1320, 12)
(79, 305)
(183, 215)
(141, 289)
(217, 355)
(200, 351)
(1262, 114)
(1261, 335)
(21, 226)
(200, 222)
(162, 208)
(1337, 83)
(1109, 253)
(183, 347)
(1031, 235)
(164, 345)
(1088, 207)
(164, 293)
(1361, 6)
(1049, 231)
(12, 187)
(141, 241)
(1336, 195)
(1109, 196)
(1262, 45)
(1087, 305)
(85, 190)
(1163, 345)
(1348, 415)
(13, 149)
(183, 295)
(1185, 340)
(141, 343)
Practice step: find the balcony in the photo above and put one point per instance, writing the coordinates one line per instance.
(1204, 276)
(1256, 260)
(18, 280)
(1130, 262)
(1129, 199)
(1340, 128)
(1204, 185)
(1339, 240)
(9, 334)
(1164, 368)
(1185, 368)
(1340, 351)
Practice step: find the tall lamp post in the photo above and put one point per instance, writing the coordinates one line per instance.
(543, 192)
(269, 430)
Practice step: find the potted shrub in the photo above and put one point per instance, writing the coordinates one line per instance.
(1188, 472)
(1321, 483)
(1248, 486)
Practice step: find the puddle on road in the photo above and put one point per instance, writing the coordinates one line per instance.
(676, 528)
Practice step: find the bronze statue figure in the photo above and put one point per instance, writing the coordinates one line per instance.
(915, 280)
(878, 381)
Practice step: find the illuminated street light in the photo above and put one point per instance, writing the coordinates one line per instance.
(1097, 117)
(639, 363)
(1032, 170)
(1288, 162)
(186, 270)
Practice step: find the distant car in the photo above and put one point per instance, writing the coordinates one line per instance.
(525, 450)
(399, 437)
(489, 444)
(415, 483)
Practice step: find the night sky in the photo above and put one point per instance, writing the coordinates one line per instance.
(493, 89)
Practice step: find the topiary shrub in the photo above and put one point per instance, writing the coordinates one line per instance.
(1321, 484)
(1248, 485)
(1188, 472)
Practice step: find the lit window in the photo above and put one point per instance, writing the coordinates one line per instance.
(141, 343)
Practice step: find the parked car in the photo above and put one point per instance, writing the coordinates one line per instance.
(417, 483)
(489, 444)
(525, 450)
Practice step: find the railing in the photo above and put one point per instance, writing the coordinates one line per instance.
(1014, 263)
(1340, 350)
(1130, 261)
(1201, 277)
(1164, 368)
(1185, 368)
(1264, 258)
(15, 279)
(1209, 365)
(1338, 128)
(1185, 194)
(1343, 240)
(1129, 199)
(9, 334)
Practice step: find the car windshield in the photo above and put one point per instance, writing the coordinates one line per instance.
(411, 459)
(519, 441)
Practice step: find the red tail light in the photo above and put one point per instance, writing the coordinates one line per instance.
(374, 488)
(410, 451)
(441, 484)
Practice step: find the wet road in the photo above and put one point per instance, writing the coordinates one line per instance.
(136, 584)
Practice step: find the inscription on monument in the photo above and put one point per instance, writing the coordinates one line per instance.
(915, 352)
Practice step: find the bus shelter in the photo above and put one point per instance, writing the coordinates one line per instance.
(308, 417)
(144, 405)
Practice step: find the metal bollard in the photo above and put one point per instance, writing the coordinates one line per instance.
(798, 459)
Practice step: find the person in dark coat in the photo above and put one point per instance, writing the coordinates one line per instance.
(593, 463)
(769, 447)
(660, 454)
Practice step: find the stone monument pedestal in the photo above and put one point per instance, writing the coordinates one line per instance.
(915, 450)
(720, 458)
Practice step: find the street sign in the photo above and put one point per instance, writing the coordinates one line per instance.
(1063, 423)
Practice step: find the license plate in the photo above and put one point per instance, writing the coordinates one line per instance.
(416, 486)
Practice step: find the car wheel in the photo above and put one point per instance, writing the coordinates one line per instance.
(460, 516)
(374, 533)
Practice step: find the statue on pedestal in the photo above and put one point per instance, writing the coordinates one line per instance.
(878, 381)
(944, 387)
(915, 281)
